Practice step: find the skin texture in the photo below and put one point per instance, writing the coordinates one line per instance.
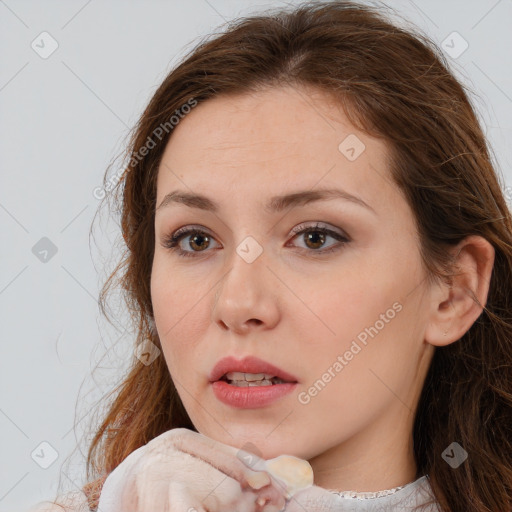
(293, 307)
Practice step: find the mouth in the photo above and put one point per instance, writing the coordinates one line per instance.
(240, 379)
(250, 383)
(248, 372)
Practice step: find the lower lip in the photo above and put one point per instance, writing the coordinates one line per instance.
(250, 397)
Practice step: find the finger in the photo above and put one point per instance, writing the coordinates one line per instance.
(294, 473)
(225, 495)
(227, 460)
(270, 499)
(288, 472)
(220, 456)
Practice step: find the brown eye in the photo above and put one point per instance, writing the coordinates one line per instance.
(315, 238)
(199, 241)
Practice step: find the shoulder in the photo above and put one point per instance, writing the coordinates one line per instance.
(70, 502)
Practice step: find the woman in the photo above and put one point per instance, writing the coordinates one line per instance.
(392, 341)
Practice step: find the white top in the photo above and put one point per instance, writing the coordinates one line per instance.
(399, 499)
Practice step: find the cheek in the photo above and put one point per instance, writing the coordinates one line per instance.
(347, 302)
(364, 315)
(179, 301)
(174, 291)
(374, 316)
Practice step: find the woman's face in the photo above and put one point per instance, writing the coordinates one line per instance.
(344, 317)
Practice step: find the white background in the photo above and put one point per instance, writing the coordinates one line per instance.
(63, 119)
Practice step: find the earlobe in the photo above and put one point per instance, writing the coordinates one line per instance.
(457, 306)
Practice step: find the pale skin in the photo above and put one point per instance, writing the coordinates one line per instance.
(292, 306)
(299, 310)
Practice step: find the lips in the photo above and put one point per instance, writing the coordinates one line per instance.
(248, 364)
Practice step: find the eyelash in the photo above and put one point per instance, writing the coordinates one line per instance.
(171, 242)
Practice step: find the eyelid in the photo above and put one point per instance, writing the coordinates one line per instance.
(317, 225)
(190, 228)
(176, 236)
(297, 229)
(173, 240)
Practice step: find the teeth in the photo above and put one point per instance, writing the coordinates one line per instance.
(245, 384)
(250, 377)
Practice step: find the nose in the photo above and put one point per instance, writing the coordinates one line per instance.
(246, 298)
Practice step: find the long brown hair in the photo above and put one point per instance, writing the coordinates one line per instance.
(393, 83)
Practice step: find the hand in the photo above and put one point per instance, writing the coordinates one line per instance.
(184, 471)
(295, 477)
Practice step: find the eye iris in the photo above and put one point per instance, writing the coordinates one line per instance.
(194, 238)
(313, 236)
(199, 241)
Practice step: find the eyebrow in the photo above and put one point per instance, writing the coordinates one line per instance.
(275, 204)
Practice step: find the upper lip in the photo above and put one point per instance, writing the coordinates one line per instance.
(249, 364)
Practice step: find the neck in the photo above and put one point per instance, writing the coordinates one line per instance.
(370, 461)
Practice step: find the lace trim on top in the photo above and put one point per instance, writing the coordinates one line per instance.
(367, 495)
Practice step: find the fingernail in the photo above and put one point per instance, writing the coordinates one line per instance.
(258, 480)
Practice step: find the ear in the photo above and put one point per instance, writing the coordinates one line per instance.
(454, 309)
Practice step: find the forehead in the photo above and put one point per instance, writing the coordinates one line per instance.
(270, 142)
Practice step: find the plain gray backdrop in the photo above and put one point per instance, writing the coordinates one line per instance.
(65, 111)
